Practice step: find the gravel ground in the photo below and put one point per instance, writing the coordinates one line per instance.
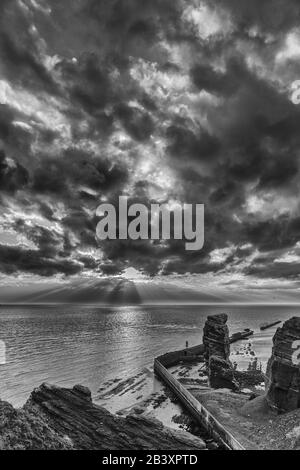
(252, 422)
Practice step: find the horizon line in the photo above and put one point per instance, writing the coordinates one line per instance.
(163, 304)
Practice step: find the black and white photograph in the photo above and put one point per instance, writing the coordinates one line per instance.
(149, 228)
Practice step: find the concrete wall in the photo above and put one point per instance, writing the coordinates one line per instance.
(198, 411)
(172, 358)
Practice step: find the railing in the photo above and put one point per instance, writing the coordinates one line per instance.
(198, 411)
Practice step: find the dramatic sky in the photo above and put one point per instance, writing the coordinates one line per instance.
(162, 101)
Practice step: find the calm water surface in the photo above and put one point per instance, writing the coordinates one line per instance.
(90, 345)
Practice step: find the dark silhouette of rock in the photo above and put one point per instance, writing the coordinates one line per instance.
(216, 337)
(60, 418)
(221, 374)
(283, 370)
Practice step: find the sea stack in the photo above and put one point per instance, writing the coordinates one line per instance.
(216, 337)
(283, 370)
(217, 351)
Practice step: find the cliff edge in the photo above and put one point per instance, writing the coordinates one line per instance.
(60, 418)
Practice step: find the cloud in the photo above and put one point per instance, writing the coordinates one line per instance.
(175, 100)
(13, 176)
(15, 260)
(274, 16)
(78, 169)
(137, 123)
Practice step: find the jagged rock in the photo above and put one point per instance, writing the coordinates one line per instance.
(84, 391)
(59, 418)
(283, 370)
(249, 378)
(20, 430)
(216, 337)
(221, 374)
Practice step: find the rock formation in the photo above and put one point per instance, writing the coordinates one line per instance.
(216, 337)
(216, 352)
(283, 370)
(221, 374)
(249, 378)
(59, 418)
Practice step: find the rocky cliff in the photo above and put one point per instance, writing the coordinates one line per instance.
(59, 418)
(283, 370)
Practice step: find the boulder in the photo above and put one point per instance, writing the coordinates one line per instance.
(283, 370)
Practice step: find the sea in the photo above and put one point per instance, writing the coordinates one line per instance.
(90, 345)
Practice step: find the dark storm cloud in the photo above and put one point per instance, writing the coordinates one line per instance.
(83, 226)
(269, 266)
(110, 74)
(65, 174)
(279, 171)
(111, 269)
(46, 240)
(254, 145)
(13, 176)
(8, 132)
(6, 117)
(88, 82)
(183, 143)
(142, 29)
(274, 16)
(50, 257)
(20, 54)
(16, 140)
(223, 193)
(74, 177)
(138, 124)
(143, 255)
(61, 178)
(91, 83)
(125, 18)
(205, 78)
(272, 234)
(256, 125)
(23, 66)
(15, 260)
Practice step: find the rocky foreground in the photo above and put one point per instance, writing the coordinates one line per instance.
(59, 418)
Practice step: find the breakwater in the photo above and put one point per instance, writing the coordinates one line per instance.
(189, 402)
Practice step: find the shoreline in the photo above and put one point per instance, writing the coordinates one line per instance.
(143, 396)
(93, 352)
